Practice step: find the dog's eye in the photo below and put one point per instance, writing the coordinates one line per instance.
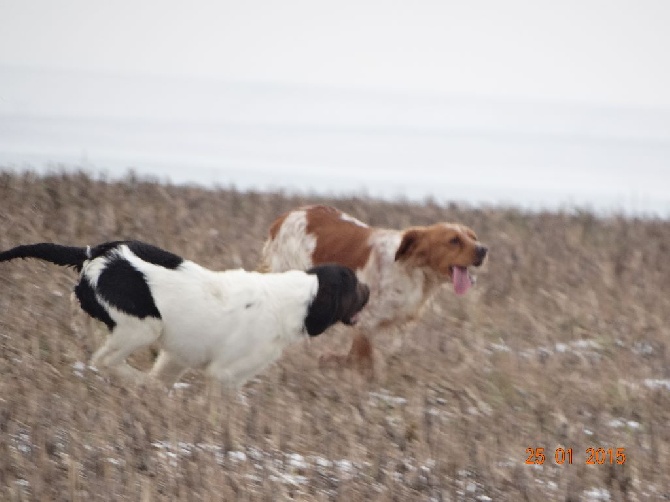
(455, 241)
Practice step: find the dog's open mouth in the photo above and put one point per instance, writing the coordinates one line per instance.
(353, 319)
(462, 279)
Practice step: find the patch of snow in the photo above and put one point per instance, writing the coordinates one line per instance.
(345, 466)
(643, 348)
(322, 462)
(597, 494)
(585, 344)
(577, 346)
(617, 423)
(237, 456)
(297, 461)
(499, 347)
(23, 442)
(657, 383)
(290, 479)
(388, 399)
(290, 468)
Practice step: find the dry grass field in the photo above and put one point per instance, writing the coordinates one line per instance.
(563, 343)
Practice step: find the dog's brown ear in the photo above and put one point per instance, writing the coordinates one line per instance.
(408, 244)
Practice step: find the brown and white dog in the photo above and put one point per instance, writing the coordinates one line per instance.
(403, 268)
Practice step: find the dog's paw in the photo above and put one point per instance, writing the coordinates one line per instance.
(362, 366)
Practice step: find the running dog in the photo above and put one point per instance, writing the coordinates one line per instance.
(231, 324)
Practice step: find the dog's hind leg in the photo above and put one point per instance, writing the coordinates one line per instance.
(167, 369)
(127, 336)
(91, 332)
(360, 356)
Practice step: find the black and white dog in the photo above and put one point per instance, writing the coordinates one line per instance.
(232, 324)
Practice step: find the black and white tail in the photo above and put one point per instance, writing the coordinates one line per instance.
(66, 256)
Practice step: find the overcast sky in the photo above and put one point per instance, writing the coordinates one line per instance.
(591, 51)
(565, 100)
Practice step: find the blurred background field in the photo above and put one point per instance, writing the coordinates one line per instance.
(562, 343)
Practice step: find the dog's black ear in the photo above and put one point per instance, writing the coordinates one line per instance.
(325, 308)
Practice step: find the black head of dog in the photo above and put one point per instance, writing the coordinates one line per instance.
(340, 298)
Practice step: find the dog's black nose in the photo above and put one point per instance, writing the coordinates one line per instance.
(480, 252)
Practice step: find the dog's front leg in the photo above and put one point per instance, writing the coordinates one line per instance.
(125, 339)
(167, 370)
(360, 356)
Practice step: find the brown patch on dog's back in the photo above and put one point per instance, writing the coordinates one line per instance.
(338, 240)
(276, 225)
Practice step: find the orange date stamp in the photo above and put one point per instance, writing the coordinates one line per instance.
(593, 456)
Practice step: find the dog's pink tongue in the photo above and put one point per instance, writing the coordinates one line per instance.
(461, 280)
